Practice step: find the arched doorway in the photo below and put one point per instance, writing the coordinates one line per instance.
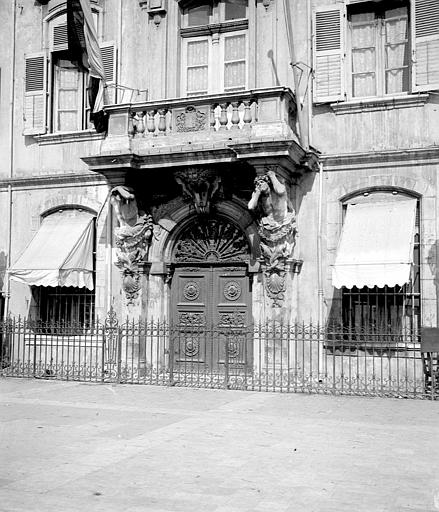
(211, 295)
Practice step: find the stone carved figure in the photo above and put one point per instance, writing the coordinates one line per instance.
(133, 237)
(277, 231)
(200, 185)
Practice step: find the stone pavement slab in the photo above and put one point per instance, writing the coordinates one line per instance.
(68, 446)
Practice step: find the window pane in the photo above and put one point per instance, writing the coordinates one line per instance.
(397, 80)
(363, 85)
(396, 30)
(396, 52)
(197, 80)
(363, 61)
(197, 53)
(234, 48)
(234, 75)
(363, 36)
(68, 100)
(67, 121)
(198, 15)
(68, 78)
(235, 9)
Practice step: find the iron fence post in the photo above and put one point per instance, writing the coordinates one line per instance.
(34, 363)
(171, 355)
(119, 354)
(226, 362)
(103, 349)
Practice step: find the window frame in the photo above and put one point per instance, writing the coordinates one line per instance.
(330, 54)
(411, 292)
(380, 55)
(215, 33)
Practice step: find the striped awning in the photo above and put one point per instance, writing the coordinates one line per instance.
(60, 254)
(376, 245)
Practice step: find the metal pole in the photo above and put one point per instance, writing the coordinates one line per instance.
(303, 134)
(11, 154)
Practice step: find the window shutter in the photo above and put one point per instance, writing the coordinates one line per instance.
(108, 51)
(425, 44)
(35, 94)
(328, 53)
(58, 34)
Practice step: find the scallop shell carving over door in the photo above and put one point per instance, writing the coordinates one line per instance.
(211, 240)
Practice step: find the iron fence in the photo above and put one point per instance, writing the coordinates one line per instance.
(269, 356)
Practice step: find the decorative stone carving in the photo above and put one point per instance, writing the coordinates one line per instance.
(232, 290)
(191, 120)
(277, 231)
(234, 319)
(200, 185)
(189, 319)
(133, 237)
(213, 240)
(191, 291)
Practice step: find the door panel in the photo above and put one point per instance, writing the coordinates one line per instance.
(211, 311)
(190, 294)
(232, 315)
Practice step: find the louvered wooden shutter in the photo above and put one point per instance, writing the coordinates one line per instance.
(35, 94)
(328, 53)
(58, 34)
(108, 51)
(425, 44)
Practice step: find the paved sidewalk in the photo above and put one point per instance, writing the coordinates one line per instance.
(90, 447)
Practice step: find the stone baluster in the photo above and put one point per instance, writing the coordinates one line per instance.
(162, 121)
(140, 123)
(212, 117)
(150, 121)
(235, 115)
(223, 117)
(247, 114)
(131, 124)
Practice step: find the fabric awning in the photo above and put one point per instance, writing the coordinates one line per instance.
(376, 245)
(60, 254)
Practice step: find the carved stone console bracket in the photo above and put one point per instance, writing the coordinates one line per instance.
(155, 8)
(200, 185)
(277, 231)
(132, 237)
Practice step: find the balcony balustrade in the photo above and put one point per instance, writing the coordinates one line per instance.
(256, 126)
(249, 115)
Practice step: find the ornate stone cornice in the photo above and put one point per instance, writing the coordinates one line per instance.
(54, 180)
(381, 158)
(285, 152)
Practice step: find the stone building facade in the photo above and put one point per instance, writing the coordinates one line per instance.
(217, 193)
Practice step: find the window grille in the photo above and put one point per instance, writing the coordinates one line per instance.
(390, 310)
(65, 307)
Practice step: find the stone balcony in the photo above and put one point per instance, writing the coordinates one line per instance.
(257, 126)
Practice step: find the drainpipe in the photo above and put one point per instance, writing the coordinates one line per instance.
(303, 135)
(11, 156)
(320, 308)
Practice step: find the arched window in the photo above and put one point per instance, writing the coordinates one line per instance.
(380, 308)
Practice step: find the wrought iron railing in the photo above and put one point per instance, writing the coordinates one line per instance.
(269, 356)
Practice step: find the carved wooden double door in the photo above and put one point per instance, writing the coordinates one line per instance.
(211, 316)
